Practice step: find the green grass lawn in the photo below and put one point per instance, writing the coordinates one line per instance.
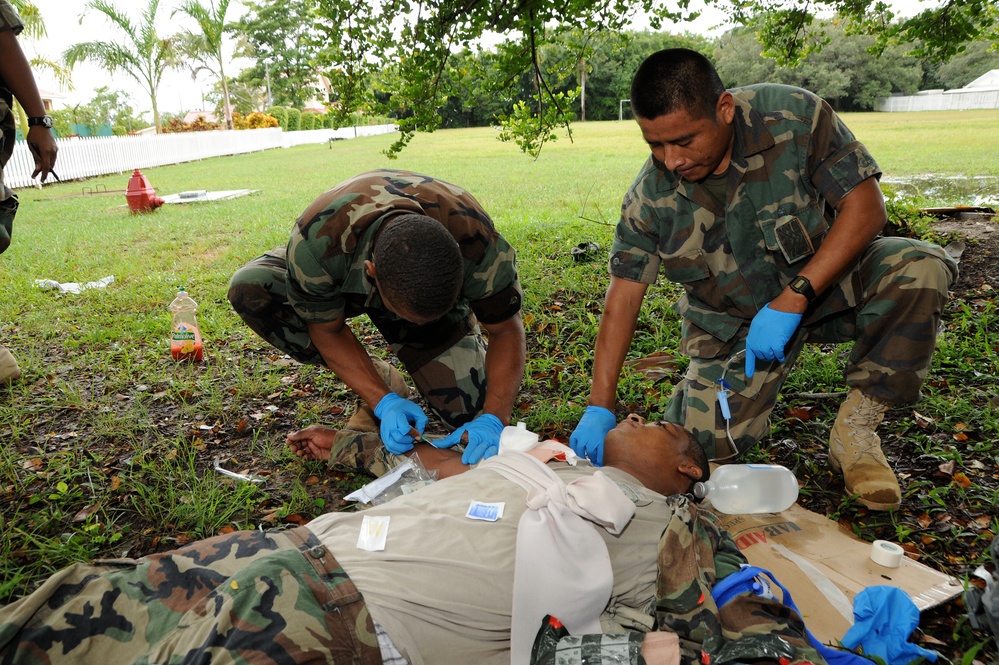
(105, 443)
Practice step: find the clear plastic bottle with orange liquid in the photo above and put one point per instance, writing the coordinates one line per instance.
(185, 336)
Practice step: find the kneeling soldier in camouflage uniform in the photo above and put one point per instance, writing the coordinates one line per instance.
(762, 205)
(422, 259)
(439, 592)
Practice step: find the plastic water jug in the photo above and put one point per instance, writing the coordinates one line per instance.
(742, 489)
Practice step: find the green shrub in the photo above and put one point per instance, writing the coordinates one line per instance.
(281, 113)
(308, 121)
(294, 120)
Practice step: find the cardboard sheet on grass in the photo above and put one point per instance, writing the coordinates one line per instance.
(824, 566)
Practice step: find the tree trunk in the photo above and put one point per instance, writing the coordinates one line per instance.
(227, 109)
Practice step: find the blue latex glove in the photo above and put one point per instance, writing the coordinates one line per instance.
(483, 438)
(769, 333)
(399, 416)
(884, 618)
(587, 439)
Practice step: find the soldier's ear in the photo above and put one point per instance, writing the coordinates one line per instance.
(725, 109)
(369, 269)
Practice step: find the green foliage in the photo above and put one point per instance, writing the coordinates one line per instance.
(977, 59)
(142, 54)
(203, 49)
(307, 121)
(906, 219)
(532, 130)
(281, 113)
(843, 72)
(278, 36)
(294, 120)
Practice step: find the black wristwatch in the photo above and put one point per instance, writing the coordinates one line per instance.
(802, 286)
(40, 121)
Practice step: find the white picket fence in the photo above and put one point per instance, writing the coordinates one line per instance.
(85, 157)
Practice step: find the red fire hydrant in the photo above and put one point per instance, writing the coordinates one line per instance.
(140, 194)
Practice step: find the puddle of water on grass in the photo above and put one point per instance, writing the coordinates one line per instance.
(948, 190)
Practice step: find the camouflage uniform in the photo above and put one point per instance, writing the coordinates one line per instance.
(320, 277)
(9, 20)
(694, 553)
(247, 597)
(793, 161)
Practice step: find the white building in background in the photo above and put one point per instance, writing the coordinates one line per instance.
(982, 93)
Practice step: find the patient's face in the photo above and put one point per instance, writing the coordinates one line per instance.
(660, 446)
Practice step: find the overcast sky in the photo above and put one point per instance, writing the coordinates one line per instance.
(178, 92)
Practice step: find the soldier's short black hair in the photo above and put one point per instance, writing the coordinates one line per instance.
(676, 79)
(419, 265)
(695, 453)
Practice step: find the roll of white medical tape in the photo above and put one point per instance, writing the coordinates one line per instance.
(886, 554)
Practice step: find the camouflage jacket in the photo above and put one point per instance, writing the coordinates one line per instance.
(334, 237)
(694, 553)
(793, 161)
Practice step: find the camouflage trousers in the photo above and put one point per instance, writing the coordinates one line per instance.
(246, 597)
(450, 374)
(900, 287)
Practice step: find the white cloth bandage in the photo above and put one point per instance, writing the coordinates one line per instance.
(562, 565)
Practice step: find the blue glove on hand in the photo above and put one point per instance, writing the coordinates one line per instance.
(769, 333)
(399, 416)
(587, 439)
(483, 438)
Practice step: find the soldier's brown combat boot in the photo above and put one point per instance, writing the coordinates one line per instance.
(363, 418)
(855, 450)
(9, 371)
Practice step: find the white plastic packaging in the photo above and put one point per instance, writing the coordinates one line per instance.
(743, 489)
(517, 438)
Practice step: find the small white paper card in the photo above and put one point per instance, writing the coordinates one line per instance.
(489, 512)
(374, 533)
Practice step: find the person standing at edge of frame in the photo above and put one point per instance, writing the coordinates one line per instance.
(16, 80)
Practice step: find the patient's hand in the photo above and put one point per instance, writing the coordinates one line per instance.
(313, 442)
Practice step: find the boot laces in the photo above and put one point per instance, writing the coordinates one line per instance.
(863, 422)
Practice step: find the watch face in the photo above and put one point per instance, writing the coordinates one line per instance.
(43, 121)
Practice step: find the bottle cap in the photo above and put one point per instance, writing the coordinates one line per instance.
(700, 491)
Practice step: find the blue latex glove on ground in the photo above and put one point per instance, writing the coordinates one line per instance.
(587, 439)
(884, 618)
(399, 416)
(483, 438)
(769, 333)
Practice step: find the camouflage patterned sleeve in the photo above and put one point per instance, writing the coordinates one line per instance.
(9, 19)
(837, 161)
(492, 286)
(312, 290)
(634, 254)
(694, 553)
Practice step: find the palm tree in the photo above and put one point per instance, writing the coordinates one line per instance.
(34, 28)
(206, 46)
(143, 55)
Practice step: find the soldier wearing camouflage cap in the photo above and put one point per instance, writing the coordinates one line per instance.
(422, 259)
(763, 206)
(17, 81)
